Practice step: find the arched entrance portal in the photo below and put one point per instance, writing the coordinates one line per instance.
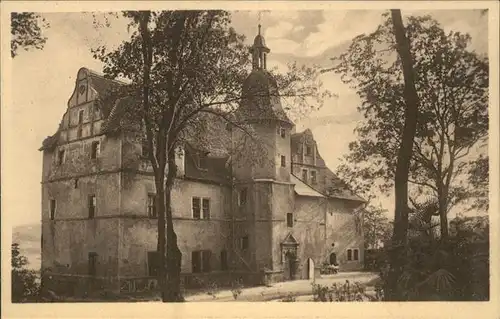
(289, 257)
(333, 259)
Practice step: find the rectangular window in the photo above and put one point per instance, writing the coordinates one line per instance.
(52, 208)
(153, 263)
(206, 208)
(356, 254)
(244, 243)
(95, 150)
(206, 256)
(282, 132)
(196, 208)
(289, 219)
(80, 117)
(152, 206)
(92, 263)
(196, 261)
(349, 254)
(60, 158)
(79, 132)
(223, 260)
(145, 148)
(76, 183)
(242, 197)
(304, 175)
(308, 150)
(283, 161)
(200, 261)
(313, 177)
(92, 206)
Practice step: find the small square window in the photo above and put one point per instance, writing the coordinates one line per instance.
(313, 177)
(283, 161)
(92, 206)
(61, 157)
(282, 132)
(304, 175)
(95, 150)
(52, 208)
(80, 117)
(308, 150)
(289, 219)
(242, 197)
(152, 206)
(244, 243)
(92, 263)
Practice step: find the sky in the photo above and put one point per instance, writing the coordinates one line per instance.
(42, 82)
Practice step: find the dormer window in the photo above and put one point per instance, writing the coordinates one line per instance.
(202, 160)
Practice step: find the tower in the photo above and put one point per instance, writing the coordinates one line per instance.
(263, 170)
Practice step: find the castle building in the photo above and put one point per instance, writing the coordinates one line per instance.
(280, 218)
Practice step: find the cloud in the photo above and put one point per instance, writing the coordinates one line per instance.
(279, 30)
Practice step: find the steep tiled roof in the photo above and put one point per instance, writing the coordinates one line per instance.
(260, 100)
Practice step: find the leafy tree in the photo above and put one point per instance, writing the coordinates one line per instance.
(479, 180)
(25, 284)
(26, 31)
(183, 66)
(452, 87)
(376, 227)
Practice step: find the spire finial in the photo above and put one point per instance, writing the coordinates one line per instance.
(259, 28)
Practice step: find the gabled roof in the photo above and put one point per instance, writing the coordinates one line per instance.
(302, 188)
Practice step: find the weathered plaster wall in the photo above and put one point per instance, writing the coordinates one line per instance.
(77, 158)
(72, 203)
(343, 230)
(309, 229)
(139, 234)
(66, 244)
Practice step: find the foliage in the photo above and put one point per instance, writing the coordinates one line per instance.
(376, 227)
(25, 282)
(26, 31)
(452, 86)
(289, 298)
(451, 269)
(479, 180)
(339, 293)
(236, 288)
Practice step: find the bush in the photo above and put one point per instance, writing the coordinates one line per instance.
(25, 282)
(345, 292)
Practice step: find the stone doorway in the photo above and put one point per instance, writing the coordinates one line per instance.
(289, 257)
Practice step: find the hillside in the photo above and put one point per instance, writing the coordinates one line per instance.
(29, 238)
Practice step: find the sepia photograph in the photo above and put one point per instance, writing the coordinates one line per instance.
(248, 155)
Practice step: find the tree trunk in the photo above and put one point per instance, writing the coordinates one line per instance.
(174, 256)
(400, 234)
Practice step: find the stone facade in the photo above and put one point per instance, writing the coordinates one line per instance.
(257, 218)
